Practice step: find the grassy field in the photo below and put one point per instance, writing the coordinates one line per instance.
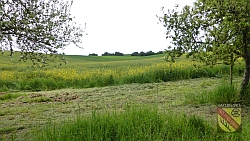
(140, 98)
(85, 72)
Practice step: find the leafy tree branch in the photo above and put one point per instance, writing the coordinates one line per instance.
(37, 28)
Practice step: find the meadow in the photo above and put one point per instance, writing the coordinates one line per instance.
(116, 98)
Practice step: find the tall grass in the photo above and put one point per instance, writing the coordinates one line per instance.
(138, 124)
(8, 96)
(223, 93)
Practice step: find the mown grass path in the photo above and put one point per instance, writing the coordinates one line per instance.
(22, 112)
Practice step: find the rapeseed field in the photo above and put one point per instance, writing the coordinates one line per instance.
(84, 71)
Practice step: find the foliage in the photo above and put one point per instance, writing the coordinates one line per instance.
(135, 54)
(148, 53)
(93, 54)
(37, 28)
(212, 31)
(112, 54)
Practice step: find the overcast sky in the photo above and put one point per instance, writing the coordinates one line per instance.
(125, 26)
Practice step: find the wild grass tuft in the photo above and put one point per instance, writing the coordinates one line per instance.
(223, 93)
(8, 96)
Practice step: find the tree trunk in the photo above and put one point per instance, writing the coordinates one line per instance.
(246, 56)
(243, 95)
(245, 79)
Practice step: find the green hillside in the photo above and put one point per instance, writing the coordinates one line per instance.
(109, 58)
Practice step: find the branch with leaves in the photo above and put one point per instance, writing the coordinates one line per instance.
(37, 28)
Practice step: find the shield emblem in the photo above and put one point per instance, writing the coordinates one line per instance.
(229, 118)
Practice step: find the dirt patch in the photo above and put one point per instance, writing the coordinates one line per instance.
(2, 93)
(35, 95)
(64, 97)
(21, 97)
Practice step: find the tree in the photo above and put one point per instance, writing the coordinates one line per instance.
(150, 53)
(118, 54)
(37, 28)
(93, 54)
(135, 54)
(142, 53)
(212, 31)
(159, 52)
(106, 54)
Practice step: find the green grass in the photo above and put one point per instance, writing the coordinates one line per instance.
(68, 108)
(8, 96)
(72, 58)
(6, 59)
(223, 93)
(134, 124)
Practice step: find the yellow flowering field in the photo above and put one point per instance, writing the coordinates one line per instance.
(100, 71)
(79, 71)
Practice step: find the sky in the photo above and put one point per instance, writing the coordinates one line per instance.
(124, 26)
